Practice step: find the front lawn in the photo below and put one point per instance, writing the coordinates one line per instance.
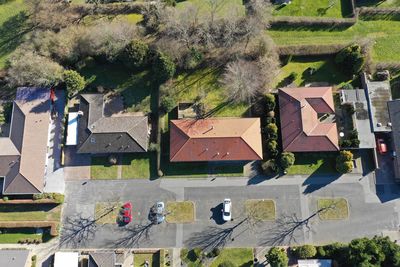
(139, 165)
(140, 258)
(180, 212)
(326, 72)
(260, 209)
(223, 8)
(315, 8)
(30, 212)
(314, 163)
(106, 213)
(337, 209)
(14, 235)
(136, 88)
(242, 257)
(101, 169)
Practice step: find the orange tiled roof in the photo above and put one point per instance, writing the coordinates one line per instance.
(215, 139)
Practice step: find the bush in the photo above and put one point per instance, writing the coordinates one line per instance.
(226, 264)
(270, 167)
(272, 148)
(5, 198)
(163, 67)
(286, 160)
(344, 167)
(351, 59)
(136, 54)
(168, 103)
(321, 252)
(277, 257)
(272, 131)
(154, 147)
(345, 143)
(346, 155)
(292, 76)
(348, 86)
(74, 82)
(306, 251)
(192, 59)
(270, 102)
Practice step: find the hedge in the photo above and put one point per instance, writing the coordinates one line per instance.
(313, 22)
(374, 13)
(29, 201)
(310, 50)
(109, 9)
(32, 224)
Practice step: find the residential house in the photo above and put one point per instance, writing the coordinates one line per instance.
(215, 139)
(99, 134)
(314, 263)
(14, 258)
(66, 259)
(23, 154)
(307, 118)
(394, 115)
(107, 259)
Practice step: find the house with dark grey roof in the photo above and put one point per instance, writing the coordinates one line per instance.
(23, 153)
(107, 259)
(394, 114)
(100, 134)
(14, 258)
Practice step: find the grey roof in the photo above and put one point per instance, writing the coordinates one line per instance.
(13, 257)
(116, 134)
(23, 153)
(101, 259)
(378, 94)
(394, 111)
(362, 121)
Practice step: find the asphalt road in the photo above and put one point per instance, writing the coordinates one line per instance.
(296, 218)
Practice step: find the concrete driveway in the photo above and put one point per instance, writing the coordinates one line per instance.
(76, 166)
(296, 220)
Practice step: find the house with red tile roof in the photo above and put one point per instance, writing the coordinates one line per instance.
(215, 139)
(307, 117)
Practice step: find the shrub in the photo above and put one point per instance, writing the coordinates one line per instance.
(320, 252)
(58, 198)
(348, 86)
(270, 167)
(135, 54)
(5, 198)
(306, 251)
(154, 147)
(168, 103)
(37, 196)
(346, 155)
(226, 264)
(292, 76)
(163, 67)
(345, 143)
(351, 59)
(344, 167)
(277, 257)
(192, 59)
(272, 131)
(272, 148)
(74, 82)
(286, 160)
(112, 159)
(270, 102)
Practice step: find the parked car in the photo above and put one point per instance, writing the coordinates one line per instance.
(158, 210)
(127, 213)
(227, 210)
(382, 148)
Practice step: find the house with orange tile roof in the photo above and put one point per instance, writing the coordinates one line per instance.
(215, 139)
(307, 117)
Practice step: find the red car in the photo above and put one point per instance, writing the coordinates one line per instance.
(382, 148)
(127, 212)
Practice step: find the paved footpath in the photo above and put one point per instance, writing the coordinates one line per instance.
(295, 197)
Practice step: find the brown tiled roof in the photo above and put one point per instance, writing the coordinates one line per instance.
(23, 160)
(215, 139)
(301, 128)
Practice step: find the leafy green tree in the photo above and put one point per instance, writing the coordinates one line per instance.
(163, 67)
(306, 251)
(270, 167)
(135, 54)
(272, 131)
(270, 102)
(167, 103)
(391, 251)
(344, 162)
(277, 257)
(351, 59)
(346, 155)
(74, 82)
(365, 252)
(286, 160)
(272, 148)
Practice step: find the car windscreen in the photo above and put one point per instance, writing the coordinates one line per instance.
(226, 213)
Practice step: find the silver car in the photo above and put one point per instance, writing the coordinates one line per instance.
(159, 212)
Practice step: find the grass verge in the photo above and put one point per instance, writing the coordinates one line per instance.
(140, 258)
(180, 212)
(106, 213)
(13, 235)
(313, 163)
(242, 257)
(30, 212)
(315, 8)
(337, 209)
(139, 166)
(260, 209)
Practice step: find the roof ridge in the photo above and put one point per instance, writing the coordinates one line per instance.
(188, 138)
(251, 148)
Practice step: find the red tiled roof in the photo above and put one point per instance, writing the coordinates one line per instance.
(215, 139)
(301, 128)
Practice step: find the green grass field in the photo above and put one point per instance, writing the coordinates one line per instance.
(102, 169)
(242, 257)
(140, 165)
(314, 163)
(337, 208)
(385, 34)
(224, 7)
(12, 236)
(12, 28)
(317, 8)
(30, 212)
(326, 71)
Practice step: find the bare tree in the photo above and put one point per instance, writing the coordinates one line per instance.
(242, 80)
(215, 6)
(77, 230)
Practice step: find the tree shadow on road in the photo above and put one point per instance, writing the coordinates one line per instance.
(78, 230)
(133, 236)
